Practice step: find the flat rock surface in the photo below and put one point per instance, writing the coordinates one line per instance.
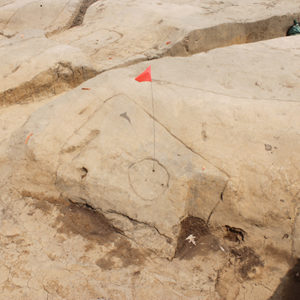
(103, 199)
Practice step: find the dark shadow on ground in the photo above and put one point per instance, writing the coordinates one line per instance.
(289, 288)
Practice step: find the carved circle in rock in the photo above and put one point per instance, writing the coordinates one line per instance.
(148, 178)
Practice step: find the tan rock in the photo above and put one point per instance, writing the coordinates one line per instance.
(36, 67)
(173, 27)
(48, 15)
(221, 155)
(177, 28)
(83, 215)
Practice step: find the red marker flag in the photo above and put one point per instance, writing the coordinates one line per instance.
(145, 76)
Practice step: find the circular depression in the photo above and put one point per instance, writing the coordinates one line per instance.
(148, 178)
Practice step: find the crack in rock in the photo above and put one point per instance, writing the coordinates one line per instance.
(63, 76)
(227, 34)
(79, 16)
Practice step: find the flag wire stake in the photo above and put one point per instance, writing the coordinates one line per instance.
(153, 169)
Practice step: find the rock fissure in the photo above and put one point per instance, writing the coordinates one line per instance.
(86, 206)
(79, 16)
(228, 34)
(7, 35)
(217, 203)
(76, 19)
(47, 83)
(226, 95)
(111, 211)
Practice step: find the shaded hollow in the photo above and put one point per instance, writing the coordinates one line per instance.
(222, 35)
(79, 16)
(289, 287)
(61, 77)
(194, 239)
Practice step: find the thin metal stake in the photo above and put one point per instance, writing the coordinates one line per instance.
(153, 169)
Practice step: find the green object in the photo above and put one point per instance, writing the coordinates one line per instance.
(295, 29)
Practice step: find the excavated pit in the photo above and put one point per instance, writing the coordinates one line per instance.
(222, 35)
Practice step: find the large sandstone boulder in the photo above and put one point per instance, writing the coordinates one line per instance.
(86, 198)
(226, 145)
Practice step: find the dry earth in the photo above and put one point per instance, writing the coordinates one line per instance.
(83, 215)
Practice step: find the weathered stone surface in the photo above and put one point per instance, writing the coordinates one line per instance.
(35, 67)
(162, 28)
(46, 259)
(47, 15)
(174, 27)
(79, 200)
(221, 147)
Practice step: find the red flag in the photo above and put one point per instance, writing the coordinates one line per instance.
(145, 76)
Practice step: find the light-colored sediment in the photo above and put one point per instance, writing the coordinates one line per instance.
(83, 215)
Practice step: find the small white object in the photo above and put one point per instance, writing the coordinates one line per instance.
(191, 239)
(222, 248)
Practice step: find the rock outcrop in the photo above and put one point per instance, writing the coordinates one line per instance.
(96, 184)
(68, 42)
